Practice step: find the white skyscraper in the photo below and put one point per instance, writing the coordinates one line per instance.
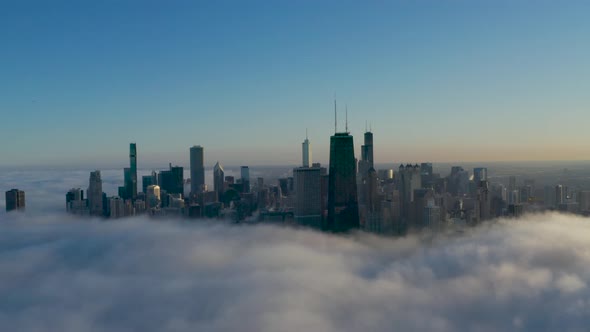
(306, 152)
(153, 196)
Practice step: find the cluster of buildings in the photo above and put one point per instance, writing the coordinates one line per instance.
(15, 200)
(163, 192)
(348, 194)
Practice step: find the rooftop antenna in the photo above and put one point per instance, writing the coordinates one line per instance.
(306, 133)
(346, 107)
(335, 117)
(366, 128)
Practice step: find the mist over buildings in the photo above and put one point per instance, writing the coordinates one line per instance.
(65, 273)
(60, 273)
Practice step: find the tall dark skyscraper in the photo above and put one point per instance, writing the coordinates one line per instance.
(132, 185)
(197, 169)
(15, 200)
(245, 175)
(367, 149)
(364, 165)
(129, 189)
(343, 213)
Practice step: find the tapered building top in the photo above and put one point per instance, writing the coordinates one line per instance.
(306, 152)
(217, 167)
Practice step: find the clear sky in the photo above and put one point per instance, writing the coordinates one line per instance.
(439, 80)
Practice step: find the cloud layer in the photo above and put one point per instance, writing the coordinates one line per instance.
(58, 273)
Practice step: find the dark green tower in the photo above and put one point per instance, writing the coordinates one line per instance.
(343, 213)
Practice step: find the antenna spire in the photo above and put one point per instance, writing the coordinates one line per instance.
(346, 107)
(335, 117)
(305, 133)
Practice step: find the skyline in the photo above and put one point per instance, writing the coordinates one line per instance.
(439, 82)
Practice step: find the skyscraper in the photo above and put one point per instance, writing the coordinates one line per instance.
(148, 180)
(480, 174)
(152, 196)
(483, 199)
(131, 173)
(409, 179)
(366, 161)
(559, 195)
(197, 169)
(15, 200)
(367, 149)
(116, 207)
(343, 213)
(218, 179)
(308, 199)
(95, 196)
(245, 175)
(426, 174)
(306, 152)
(364, 165)
(172, 180)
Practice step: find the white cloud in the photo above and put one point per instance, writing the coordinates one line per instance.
(62, 274)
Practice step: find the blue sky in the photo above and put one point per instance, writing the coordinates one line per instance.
(439, 80)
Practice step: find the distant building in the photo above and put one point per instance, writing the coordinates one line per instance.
(308, 200)
(367, 160)
(132, 183)
(75, 202)
(559, 195)
(218, 179)
(343, 212)
(584, 201)
(245, 176)
(172, 180)
(139, 206)
(116, 207)
(459, 181)
(129, 188)
(230, 180)
(409, 179)
(197, 169)
(15, 200)
(431, 215)
(426, 175)
(484, 200)
(515, 210)
(385, 174)
(480, 174)
(95, 195)
(148, 180)
(306, 152)
(152, 197)
(364, 165)
(513, 197)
